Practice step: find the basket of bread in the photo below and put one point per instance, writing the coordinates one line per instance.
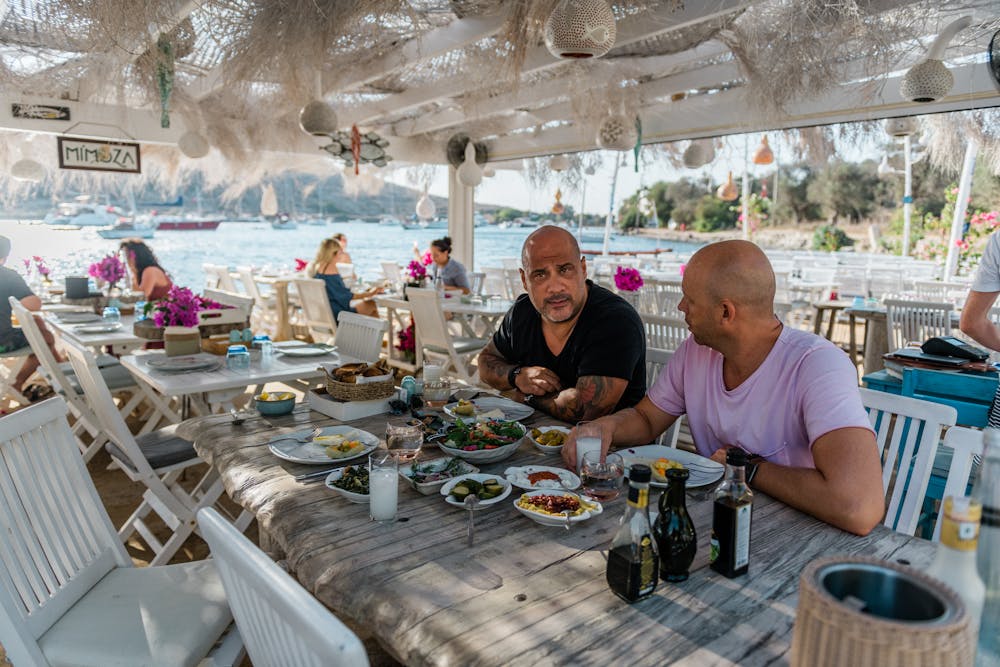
(360, 382)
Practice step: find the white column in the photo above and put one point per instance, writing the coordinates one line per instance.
(961, 206)
(460, 219)
(907, 195)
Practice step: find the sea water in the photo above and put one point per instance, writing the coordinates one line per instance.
(182, 253)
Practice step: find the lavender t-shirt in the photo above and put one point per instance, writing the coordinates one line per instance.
(805, 388)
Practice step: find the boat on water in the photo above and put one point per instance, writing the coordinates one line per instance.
(439, 223)
(127, 229)
(174, 222)
(283, 222)
(82, 212)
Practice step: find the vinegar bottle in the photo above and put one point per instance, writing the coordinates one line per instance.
(674, 530)
(730, 544)
(633, 560)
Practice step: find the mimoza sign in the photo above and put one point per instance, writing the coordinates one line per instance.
(98, 155)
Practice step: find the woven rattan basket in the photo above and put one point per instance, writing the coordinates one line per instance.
(830, 632)
(349, 391)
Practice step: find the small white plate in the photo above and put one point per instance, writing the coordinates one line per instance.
(307, 351)
(353, 496)
(593, 508)
(512, 410)
(284, 447)
(479, 477)
(98, 328)
(702, 470)
(78, 318)
(180, 364)
(518, 476)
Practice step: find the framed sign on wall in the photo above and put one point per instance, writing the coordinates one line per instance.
(96, 155)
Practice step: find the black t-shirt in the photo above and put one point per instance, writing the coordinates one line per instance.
(608, 340)
(11, 285)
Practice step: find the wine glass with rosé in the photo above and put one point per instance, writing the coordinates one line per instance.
(602, 478)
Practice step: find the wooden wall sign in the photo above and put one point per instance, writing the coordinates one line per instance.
(95, 155)
(39, 111)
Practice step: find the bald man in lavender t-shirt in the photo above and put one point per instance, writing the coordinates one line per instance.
(744, 380)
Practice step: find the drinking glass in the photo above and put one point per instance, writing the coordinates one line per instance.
(602, 480)
(238, 358)
(383, 485)
(111, 315)
(404, 440)
(588, 439)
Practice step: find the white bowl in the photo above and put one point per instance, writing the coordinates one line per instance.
(548, 449)
(479, 477)
(594, 508)
(430, 488)
(350, 495)
(484, 455)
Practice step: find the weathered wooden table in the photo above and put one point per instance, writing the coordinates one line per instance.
(524, 594)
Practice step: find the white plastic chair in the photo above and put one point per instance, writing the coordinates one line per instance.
(908, 431)
(435, 338)
(281, 623)
(317, 315)
(966, 444)
(156, 460)
(916, 321)
(360, 336)
(664, 332)
(70, 595)
(656, 361)
(217, 277)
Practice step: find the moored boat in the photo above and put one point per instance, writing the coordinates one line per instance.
(83, 213)
(127, 229)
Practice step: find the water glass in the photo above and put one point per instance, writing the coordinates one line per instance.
(436, 393)
(140, 310)
(602, 479)
(404, 440)
(588, 439)
(383, 485)
(111, 315)
(238, 358)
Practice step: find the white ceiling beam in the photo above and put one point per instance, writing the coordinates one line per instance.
(636, 28)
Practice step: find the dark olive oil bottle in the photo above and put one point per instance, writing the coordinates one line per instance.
(632, 559)
(730, 545)
(674, 530)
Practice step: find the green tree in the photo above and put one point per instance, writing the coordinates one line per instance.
(712, 214)
(791, 202)
(846, 190)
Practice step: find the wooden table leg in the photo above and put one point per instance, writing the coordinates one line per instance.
(853, 345)
(283, 327)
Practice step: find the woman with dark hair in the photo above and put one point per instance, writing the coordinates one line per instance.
(324, 267)
(451, 271)
(147, 274)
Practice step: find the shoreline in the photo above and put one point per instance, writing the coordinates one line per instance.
(772, 238)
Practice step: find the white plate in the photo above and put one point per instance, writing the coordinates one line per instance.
(429, 488)
(177, 364)
(594, 508)
(479, 477)
(518, 476)
(307, 351)
(78, 318)
(354, 497)
(512, 410)
(98, 328)
(308, 452)
(548, 449)
(702, 470)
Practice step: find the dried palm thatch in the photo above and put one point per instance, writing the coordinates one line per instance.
(949, 134)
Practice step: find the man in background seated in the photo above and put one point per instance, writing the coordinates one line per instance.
(568, 347)
(11, 338)
(787, 397)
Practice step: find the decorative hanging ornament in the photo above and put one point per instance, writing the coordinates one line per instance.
(27, 170)
(193, 145)
(930, 80)
(469, 173)
(489, 172)
(727, 191)
(578, 29)
(164, 76)
(558, 207)
(763, 154)
(901, 127)
(559, 163)
(618, 132)
(318, 118)
(425, 206)
(698, 153)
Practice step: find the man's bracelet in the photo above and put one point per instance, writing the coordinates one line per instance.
(751, 469)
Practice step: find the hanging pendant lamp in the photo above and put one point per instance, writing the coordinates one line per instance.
(901, 127)
(558, 207)
(930, 80)
(579, 29)
(193, 145)
(425, 206)
(559, 163)
(617, 132)
(27, 170)
(727, 191)
(763, 154)
(469, 173)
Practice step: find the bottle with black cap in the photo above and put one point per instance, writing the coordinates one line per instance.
(633, 561)
(729, 553)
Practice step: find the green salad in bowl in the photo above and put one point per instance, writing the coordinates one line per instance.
(485, 441)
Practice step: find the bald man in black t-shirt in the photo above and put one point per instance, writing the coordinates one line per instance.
(568, 347)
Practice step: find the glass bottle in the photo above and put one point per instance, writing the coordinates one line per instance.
(632, 559)
(987, 492)
(439, 285)
(955, 562)
(730, 544)
(674, 531)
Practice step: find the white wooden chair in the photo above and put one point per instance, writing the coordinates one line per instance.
(265, 305)
(965, 445)
(346, 271)
(907, 431)
(360, 336)
(476, 280)
(217, 277)
(916, 321)
(436, 339)
(494, 281)
(884, 281)
(242, 302)
(664, 332)
(656, 361)
(156, 460)
(70, 595)
(392, 271)
(281, 623)
(11, 364)
(317, 315)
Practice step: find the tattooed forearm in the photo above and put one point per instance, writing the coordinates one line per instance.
(593, 396)
(493, 368)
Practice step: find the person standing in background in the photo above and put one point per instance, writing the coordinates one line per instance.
(147, 274)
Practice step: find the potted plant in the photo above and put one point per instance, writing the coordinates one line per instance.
(416, 274)
(179, 309)
(628, 281)
(109, 271)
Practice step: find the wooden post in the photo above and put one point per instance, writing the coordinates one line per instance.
(461, 200)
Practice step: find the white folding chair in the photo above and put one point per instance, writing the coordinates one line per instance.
(281, 623)
(69, 593)
(908, 431)
(392, 271)
(916, 321)
(664, 332)
(156, 460)
(965, 445)
(241, 302)
(434, 336)
(476, 280)
(217, 277)
(317, 315)
(656, 361)
(11, 364)
(266, 307)
(346, 271)
(360, 336)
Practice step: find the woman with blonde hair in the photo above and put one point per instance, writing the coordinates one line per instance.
(324, 267)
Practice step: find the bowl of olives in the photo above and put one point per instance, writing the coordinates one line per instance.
(489, 489)
(549, 439)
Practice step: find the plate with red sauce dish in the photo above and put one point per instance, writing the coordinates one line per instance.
(532, 478)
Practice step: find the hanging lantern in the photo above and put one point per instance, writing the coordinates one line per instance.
(901, 127)
(763, 154)
(469, 173)
(27, 170)
(727, 191)
(578, 29)
(930, 80)
(558, 207)
(425, 207)
(193, 145)
(698, 154)
(489, 172)
(559, 163)
(318, 118)
(617, 132)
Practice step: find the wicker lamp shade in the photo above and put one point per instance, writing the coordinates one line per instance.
(617, 133)
(763, 154)
(698, 154)
(578, 29)
(865, 612)
(318, 118)
(559, 163)
(926, 82)
(727, 191)
(901, 127)
(27, 170)
(193, 145)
